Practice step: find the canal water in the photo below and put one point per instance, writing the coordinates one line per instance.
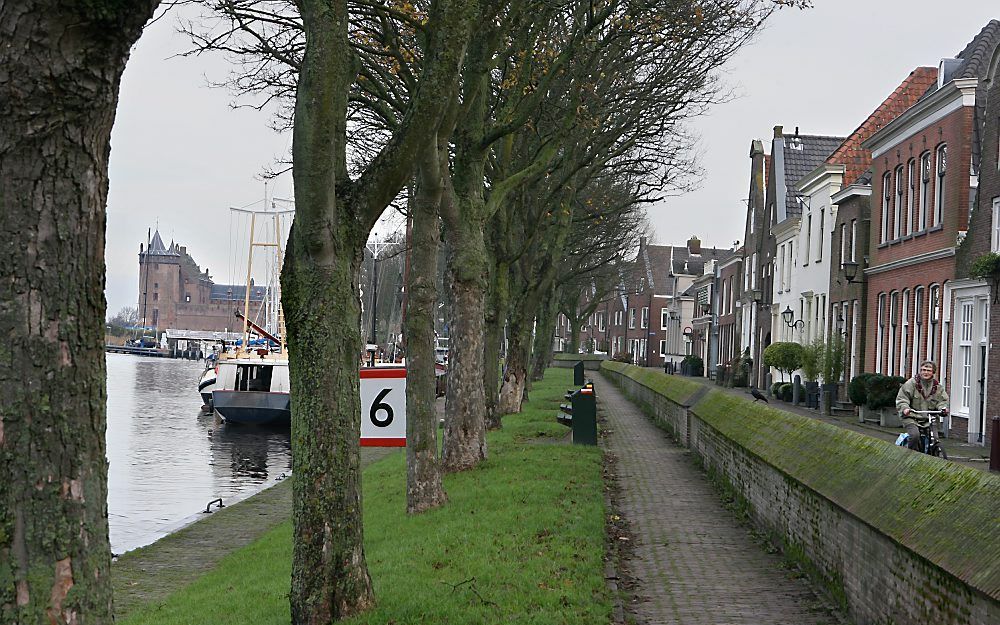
(168, 459)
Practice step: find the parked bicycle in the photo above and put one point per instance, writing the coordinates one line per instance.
(930, 443)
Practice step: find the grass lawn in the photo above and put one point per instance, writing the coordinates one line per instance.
(520, 541)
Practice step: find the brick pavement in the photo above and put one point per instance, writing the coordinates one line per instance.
(692, 561)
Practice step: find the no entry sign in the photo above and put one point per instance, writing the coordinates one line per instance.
(383, 407)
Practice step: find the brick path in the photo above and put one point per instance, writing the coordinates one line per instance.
(692, 562)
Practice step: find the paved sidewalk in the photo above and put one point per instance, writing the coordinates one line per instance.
(692, 562)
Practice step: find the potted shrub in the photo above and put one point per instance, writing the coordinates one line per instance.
(785, 357)
(987, 267)
(775, 388)
(785, 391)
(882, 391)
(692, 365)
(857, 392)
(832, 370)
(812, 362)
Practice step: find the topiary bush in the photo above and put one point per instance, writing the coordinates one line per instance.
(857, 390)
(775, 388)
(785, 391)
(693, 365)
(882, 390)
(785, 357)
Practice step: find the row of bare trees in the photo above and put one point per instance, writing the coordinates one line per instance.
(530, 133)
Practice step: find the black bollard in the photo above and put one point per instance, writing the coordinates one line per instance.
(578, 374)
(796, 390)
(995, 445)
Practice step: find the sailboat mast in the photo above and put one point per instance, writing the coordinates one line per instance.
(246, 296)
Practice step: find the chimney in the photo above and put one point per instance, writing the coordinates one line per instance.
(777, 132)
(694, 245)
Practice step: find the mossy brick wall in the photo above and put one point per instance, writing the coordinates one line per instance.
(896, 537)
(666, 403)
(591, 362)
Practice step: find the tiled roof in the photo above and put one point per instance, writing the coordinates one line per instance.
(850, 153)
(236, 292)
(977, 55)
(157, 248)
(802, 154)
(684, 263)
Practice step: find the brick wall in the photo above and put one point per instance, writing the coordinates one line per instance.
(876, 545)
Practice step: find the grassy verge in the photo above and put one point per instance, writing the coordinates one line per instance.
(520, 541)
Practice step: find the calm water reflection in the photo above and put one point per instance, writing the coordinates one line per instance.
(168, 459)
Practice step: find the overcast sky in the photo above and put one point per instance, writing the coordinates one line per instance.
(181, 156)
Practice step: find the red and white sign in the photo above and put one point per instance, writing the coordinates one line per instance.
(383, 407)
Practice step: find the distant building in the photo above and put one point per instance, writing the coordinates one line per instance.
(175, 293)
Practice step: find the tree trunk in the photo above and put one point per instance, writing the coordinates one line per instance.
(544, 330)
(574, 335)
(465, 401)
(424, 488)
(322, 309)
(516, 373)
(496, 315)
(62, 65)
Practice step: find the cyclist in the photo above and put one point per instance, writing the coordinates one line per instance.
(922, 392)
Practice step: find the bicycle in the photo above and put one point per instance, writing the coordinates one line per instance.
(930, 444)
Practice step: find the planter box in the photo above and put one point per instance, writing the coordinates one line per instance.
(889, 418)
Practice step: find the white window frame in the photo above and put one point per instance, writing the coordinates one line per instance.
(893, 324)
(631, 318)
(663, 347)
(644, 318)
(664, 318)
(995, 230)
(854, 240)
(886, 199)
(822, 231)
(843, 243)
(808, 244)
(897, 212)
(911, 192)
(879, 332)
(925, 179)
(941, 170)
(904, 337)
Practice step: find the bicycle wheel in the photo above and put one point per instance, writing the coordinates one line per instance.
(942, 452)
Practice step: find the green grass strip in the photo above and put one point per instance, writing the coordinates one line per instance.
(520, 541)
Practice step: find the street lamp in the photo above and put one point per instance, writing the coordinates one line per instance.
(850, 271)
(789, 318)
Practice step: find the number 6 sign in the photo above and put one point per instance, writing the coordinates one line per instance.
(383, 407)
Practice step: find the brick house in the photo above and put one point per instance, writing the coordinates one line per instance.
(925, 167)
(975, 306)
(730, 283)
(754, 312)
(773, 215)
(849, 240)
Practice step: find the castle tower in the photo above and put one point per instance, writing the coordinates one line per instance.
(159, 284)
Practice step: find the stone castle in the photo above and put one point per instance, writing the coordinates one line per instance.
(175, 293)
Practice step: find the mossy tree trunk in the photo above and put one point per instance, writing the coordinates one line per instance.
(424, 487)
(62, 66)
(541, 353)
(334, 215)
(496, 322)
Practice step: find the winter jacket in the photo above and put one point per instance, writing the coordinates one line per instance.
(931, 396)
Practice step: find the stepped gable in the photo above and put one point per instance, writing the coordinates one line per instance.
(803, 154)
(855, 158)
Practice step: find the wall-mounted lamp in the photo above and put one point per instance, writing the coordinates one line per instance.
(851, 271)
(789, 317)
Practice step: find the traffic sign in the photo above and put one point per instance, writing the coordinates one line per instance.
(383, 407)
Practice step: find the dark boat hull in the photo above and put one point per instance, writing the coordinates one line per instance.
(253, 407)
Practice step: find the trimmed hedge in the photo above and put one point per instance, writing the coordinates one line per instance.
(882, 390)
(576, 357)
(857, 390)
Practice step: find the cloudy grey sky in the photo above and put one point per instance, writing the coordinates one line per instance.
(181, 156)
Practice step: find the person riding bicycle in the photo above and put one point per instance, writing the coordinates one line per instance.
(920, 393)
